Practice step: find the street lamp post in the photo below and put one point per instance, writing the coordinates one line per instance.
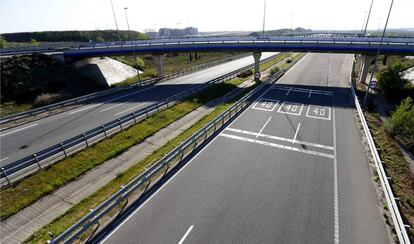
(133, 47)
(369, 13)
(116, 22)
(376, 57)
(264, 18)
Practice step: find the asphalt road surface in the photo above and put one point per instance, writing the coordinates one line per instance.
(19, 142)
(289, 169)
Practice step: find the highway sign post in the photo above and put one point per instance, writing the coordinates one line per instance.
(257, 76)
(373, 84)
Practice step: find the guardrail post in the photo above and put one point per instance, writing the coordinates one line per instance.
(146, 111)
(104, 130)
(135, 118)
(120, 124)
(86, 139)
(37, 160)
(5, 175)
(63, 149)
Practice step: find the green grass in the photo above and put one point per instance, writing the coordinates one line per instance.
(79, 210)
(396, 167)
(9, 108)
(274, 61)
(46, 181)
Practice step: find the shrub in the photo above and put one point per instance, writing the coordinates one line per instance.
(401, 123)
(289, 60)
(46, 99)
(274, 70)
(391, 83)
(245, 74)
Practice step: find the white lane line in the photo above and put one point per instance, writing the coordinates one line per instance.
(310, 93)
(287, 93)
(281, 138)
(4, 159)
(265, 143)
(263, 127)
(80, 110)
(186, 234)
(296, 134)
(336, 204)
(11, 132)
(119, 104)
(111, 100)
(129, 109)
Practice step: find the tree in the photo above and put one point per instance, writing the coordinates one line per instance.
(391, 81)
(100, 39)
(139, 64)
(3, 42)
(33, 42)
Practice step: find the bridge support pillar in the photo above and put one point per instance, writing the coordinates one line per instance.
(257, 56)
(366, 61)
(160, 62)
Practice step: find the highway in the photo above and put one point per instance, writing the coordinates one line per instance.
(289, 169)
(30, 138)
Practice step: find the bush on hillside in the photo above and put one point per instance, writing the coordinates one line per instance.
(245, 74)
(391, 82)
(401, 123)
(274, 70)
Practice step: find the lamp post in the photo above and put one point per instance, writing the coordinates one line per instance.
(116, 23)
(133, 47)
(264, 18)
(369, 13)
(376, 57)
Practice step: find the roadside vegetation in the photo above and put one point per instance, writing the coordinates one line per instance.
(76, 212)
(390, 116)
(30, 189)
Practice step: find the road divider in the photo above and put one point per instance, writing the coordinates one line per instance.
(95, 219)
(32, 163)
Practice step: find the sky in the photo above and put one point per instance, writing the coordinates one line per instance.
(206, 15)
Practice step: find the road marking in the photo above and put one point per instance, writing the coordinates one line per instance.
(119, 104)
(265, 143)
(310, 93)
(319, 112)
(266, 105)
(336, 204)
(291, 107)
(281, 138)
(296, 134)
(4, 159)
(111, 100)
(287, 93)
(11, 132)
(129, 109)
(80, 110)
(263, 127)
(186, 234)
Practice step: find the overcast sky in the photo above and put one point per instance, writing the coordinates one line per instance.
(206, 15)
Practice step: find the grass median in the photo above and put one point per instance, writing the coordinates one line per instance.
(44, 182)
(274, 61)
(79, 210)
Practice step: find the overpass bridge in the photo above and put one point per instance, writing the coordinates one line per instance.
(367, 46)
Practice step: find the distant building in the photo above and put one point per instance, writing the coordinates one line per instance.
(168, 32)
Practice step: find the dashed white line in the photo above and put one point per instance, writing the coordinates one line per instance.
(287, 93)
(85, 108)
(4, 159)
(186, 234)
(119, 104)
(129, 109)
(296, 134)
(310, 93)
(11, 132)
(265, 143)
(281, 138)
(263, 127)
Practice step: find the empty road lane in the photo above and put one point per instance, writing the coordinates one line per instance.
(289, 169)
(30, 138)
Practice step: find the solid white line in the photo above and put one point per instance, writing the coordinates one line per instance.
(265, 143)
(296, 134)
(119, 104)
(280, 138)
(4, 159)
(336, 204)
(263, 127)
(11, 132)
(186, 234)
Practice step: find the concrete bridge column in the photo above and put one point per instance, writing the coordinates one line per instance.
(257, 56)
(160, 62)
(366, 61)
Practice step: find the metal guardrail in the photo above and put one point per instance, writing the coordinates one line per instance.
(14, 119)
(161, 167)
(43, 158)
(400, 227)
